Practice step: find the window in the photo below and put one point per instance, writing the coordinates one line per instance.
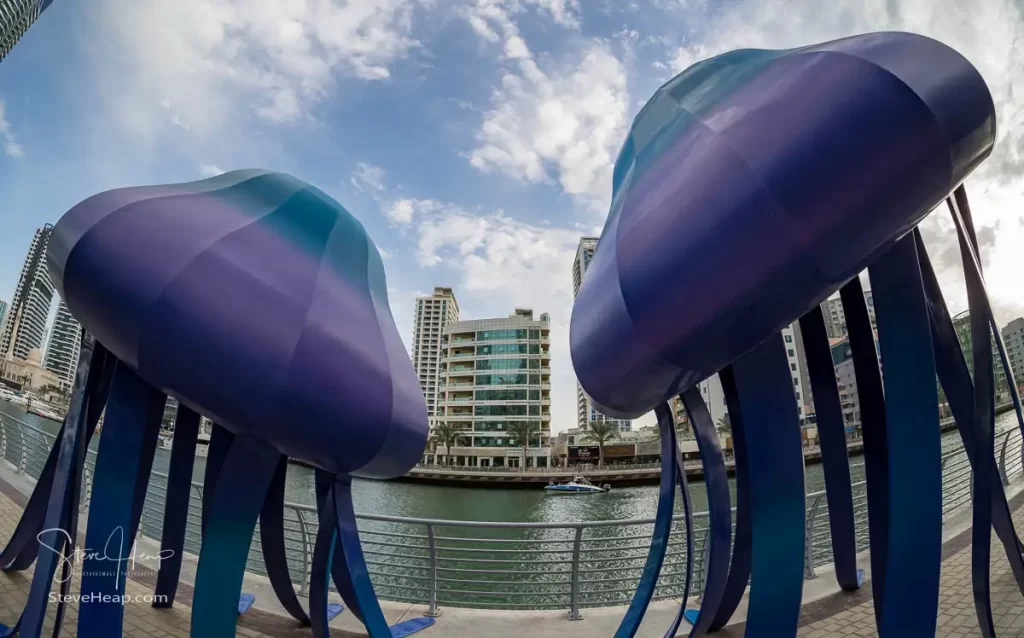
(502, 364)
(789, 338)
(792, 367)
(534, 395)
(501, 335)
(534, 379)
(501, 395)
(789, 351)
(501, 379)
(499, 410)
(503, 348)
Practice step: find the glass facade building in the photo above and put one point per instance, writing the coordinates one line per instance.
(495, 373)
(16, 16)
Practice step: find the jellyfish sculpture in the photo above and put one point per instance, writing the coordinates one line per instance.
(753, 186)
(260, 302)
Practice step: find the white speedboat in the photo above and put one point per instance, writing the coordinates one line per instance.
(579, 485)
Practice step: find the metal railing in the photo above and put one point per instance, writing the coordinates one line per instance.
(496, 565)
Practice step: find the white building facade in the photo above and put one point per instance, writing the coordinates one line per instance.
(64, 347)
(24, 328)
(433, 314)
(1013, 339)
(495, 373)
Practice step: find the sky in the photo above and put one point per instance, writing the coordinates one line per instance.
(474, 139)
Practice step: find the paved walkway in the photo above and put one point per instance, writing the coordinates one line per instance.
(836, 614)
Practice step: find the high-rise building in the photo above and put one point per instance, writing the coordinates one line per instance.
(962, 325)
(585, 411)
(64, 346)
(797, 361)
(496, 373)
(835, 317)
(433, 314)
(714, 397)
(16, 16)
(3, 314)
(1013, 339)
(25, 327)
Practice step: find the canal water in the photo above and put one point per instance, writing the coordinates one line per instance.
(490, 504)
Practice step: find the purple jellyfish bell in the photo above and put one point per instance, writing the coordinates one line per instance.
(260, 302)
(753, 186)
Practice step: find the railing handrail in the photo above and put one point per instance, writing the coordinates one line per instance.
(440, 522)
(565, 565)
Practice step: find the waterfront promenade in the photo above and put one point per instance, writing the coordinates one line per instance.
(827, 612)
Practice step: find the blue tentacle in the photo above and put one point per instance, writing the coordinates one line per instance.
(834, 460)
(910, 604)
(772, 429)
(21, 551)
(88, 388)
(955, 378)
(349, 546)
(179, 492)
(131, 427)
(216, 454)
(964, 208)
(238, 497)
(323, 558)
(984, 424)
(739, 569)
(339, 571)
(716, 481)
(684, 487)
(874, 431)
(662, 527)
(272, 540)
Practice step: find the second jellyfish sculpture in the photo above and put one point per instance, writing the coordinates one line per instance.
(753, 186)
(260, 302)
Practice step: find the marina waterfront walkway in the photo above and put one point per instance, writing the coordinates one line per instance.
(826, 612)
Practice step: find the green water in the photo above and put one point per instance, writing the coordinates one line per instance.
(489, 504)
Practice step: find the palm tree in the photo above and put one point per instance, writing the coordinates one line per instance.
(601, 432)
(724, 424)
(446, 434)
(521, 432)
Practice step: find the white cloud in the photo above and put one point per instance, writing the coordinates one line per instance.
(990, 34)
(367, 178)
(11, 146)
(209, 60)
(210, 170)
(562, 125)
(493, 19)
(402, 212)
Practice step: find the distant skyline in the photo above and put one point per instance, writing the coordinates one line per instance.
(473, 138)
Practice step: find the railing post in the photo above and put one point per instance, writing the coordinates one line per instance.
(809, 539)
(307, 556)
(3, 439)
(432, 609)
(23, 463)
(698, 566)
(86, 490)
(1002, 458)
(574, 593)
